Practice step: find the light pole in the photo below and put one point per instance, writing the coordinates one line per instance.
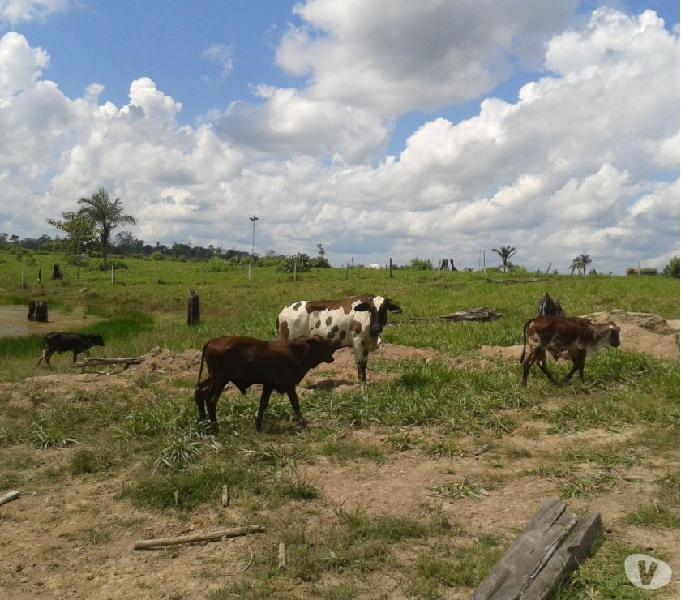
(253, 219)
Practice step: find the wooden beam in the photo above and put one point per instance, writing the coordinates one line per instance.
(215, 536)
(554, 542)
(9, 496)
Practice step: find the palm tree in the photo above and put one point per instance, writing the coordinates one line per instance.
(505, 252)
(576, 265)
(106, 216)
(586, 260)
(579, 263)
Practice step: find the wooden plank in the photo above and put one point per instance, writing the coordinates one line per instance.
(566, 559)
(9, 496)
(215, 536)
(551, 545)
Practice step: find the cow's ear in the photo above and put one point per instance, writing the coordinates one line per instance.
(362, 306)
(393, 308)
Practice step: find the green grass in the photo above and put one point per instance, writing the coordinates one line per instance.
(146, 434)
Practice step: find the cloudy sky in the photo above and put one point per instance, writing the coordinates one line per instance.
(379, 128)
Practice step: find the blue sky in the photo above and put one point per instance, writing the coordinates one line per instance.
(319, 93)
(116, 42)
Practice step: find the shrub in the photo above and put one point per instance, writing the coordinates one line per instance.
(302, 263)
(218, 265)
(418, 264)
(672, 268)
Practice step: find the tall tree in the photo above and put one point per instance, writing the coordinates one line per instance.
(79, 230)
(106, 215)
(586, 260)
(505, 253)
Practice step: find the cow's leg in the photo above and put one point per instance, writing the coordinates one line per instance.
(203, 388)
(212, 402)
(582, 362)
(48, 355)
(42, 356)
(578, 357)
(75, 355)
(527, 365)
(264, 401)
(541, 363)
(293, 397)
(361, 357)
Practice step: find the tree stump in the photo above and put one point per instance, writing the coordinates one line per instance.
(41, 314)
(56, 273)
(32, 305)
(193, 310)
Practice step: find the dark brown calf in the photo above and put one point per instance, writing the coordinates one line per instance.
(279, 366)
(578, 337)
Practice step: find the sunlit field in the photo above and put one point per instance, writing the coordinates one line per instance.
(386, 494)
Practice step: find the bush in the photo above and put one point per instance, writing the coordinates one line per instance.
(672, 268)
(218, 265)
(320, 262)
(418, 264)
(302, 262)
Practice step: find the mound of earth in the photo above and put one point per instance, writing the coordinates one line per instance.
(639, 332)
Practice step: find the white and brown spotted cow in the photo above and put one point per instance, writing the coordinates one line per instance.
(355, 321)
(564, 335)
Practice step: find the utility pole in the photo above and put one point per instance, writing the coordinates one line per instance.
(253, 219)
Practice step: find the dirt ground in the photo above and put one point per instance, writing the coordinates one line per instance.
(49, 535)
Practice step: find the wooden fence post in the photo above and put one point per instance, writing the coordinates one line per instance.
(112, 275)
(295, 268)
(193, 311)
(390, 266)
(157, 272)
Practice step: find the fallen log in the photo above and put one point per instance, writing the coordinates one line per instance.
(478, 314)
(215, 536)
(513, 281)
(93, 362)
(9, 496)
(552, 545)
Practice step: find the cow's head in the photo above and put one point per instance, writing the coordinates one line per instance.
(97, 340)
(378, 307)
(613, 335)
(321, 349)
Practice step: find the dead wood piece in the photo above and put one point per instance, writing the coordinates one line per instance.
(554, 542)
(9, 496)
(89, 362)
(479, 313)
(513, 281)
(215, 536)
(282, 555)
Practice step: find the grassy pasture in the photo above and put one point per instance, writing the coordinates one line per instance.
(134, 450)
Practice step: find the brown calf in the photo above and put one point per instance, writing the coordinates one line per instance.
(578, 337)
(279, 366)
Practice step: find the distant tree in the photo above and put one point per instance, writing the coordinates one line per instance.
(419, 264)
(302, 263)
(126, 243)
(79, 230)
(106, 215)
(672, 268)
(505, 253)
(320, 261)
(579, 263)
(321, 250)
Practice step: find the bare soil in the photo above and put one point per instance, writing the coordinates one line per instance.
(74, 538)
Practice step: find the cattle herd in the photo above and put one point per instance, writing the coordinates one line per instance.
(310, 332)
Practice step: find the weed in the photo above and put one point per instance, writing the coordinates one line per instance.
(42, 435)
(457, 490)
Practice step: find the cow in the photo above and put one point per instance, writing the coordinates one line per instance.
(578, 337)
(356, 321)
(279, 366)
(78, 343)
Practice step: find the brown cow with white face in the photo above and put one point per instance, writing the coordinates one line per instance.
(279, 366)
(356, 321)
(578, 337)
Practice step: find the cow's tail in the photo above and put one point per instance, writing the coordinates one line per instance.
(203, 356)
(522, 356)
